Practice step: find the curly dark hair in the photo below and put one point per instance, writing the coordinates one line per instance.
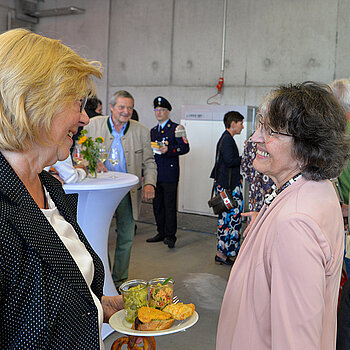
(312, 115)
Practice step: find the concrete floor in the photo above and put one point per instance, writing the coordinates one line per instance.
(198, 279)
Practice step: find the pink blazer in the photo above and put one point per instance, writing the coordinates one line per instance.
(283, 289)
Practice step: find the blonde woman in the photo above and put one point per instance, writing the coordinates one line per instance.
(51, 280)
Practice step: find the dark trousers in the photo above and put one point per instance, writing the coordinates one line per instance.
(164, 208)
(343, 324)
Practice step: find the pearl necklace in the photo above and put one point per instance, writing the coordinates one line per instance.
(271, 196)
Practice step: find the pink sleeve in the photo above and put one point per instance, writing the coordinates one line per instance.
(297, 285)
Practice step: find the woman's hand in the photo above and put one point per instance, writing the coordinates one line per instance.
(101, 167)
(81, 166)
(252, 215)
(57, 177)
(111, 305)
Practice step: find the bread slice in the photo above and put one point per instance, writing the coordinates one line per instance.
(151, 319)
(180, 311)
(155, 325)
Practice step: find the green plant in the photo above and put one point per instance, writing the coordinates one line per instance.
(89, 150)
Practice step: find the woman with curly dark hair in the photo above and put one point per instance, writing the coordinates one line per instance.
(283, 288)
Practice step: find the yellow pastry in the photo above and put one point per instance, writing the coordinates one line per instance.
(180, 311)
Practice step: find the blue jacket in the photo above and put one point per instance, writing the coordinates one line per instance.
(229, 159)
(168, 163)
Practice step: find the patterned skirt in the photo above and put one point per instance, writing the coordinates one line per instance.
(229, 224)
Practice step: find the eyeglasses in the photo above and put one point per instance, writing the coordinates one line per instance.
(265, 130)
(83, 103)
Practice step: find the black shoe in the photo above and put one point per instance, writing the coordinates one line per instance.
(156, 238)
(170, 242)
(221, 261)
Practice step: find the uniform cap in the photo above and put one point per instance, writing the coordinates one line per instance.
(161, 102)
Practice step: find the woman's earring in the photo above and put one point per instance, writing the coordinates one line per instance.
(301, 165)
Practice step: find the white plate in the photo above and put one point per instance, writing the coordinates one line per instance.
(120, 324)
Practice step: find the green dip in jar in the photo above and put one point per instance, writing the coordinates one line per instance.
(135, 296)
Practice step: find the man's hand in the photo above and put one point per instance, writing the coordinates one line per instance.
(252, 215)
(111, 305)
(148, 193)
(163, 149)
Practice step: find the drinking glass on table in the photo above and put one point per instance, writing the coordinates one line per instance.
(113, 157)
(76, 155)
(103, 155)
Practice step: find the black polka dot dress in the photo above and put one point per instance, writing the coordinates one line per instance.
(45, 302)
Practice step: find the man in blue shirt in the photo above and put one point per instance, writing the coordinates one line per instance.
(133, 143)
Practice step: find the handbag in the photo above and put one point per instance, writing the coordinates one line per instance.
(224, 200)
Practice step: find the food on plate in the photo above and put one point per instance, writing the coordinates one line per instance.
(149, 343)
(160, 295)
(135, 296)
(151, 319)
(147, 314)
(180, 311)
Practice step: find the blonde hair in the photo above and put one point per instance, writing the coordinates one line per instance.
(39, 77)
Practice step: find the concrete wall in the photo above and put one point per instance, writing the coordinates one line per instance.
(173, 47)
(6, 7)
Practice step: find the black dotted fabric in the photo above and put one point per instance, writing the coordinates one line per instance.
(44, 300)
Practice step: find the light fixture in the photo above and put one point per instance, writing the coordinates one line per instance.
(63, 11)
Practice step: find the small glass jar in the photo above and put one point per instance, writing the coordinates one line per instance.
(134, 294)
(159, 295)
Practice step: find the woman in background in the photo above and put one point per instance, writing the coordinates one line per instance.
(226, 175)
(283, 289)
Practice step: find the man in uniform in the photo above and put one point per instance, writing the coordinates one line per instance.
(168, 142)
(132, 140)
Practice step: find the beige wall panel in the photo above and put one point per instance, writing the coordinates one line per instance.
(86, 33)
(140, 42)
(177, 96)
(173, 47)
(197, 42)
(236, 52)
(7, 3)
(254, 96)
(7, 10)
(290, 41)
(4, 10)
(342, 55)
